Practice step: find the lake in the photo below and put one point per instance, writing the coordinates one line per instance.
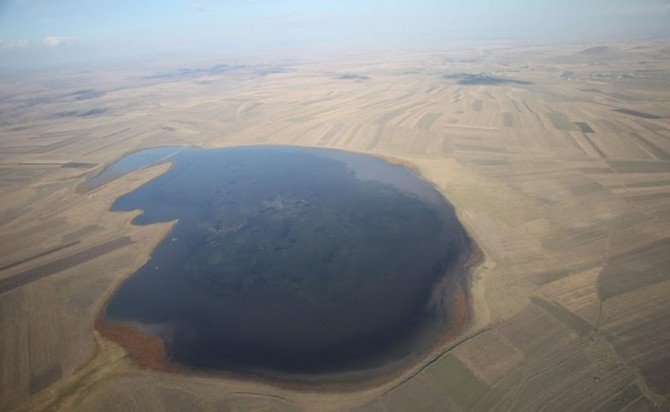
(288, 261)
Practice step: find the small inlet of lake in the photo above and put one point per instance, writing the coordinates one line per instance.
(290, 263)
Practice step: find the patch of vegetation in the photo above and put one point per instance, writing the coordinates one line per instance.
(573, 321)
(638, 114)
(353, 76)
(452, 376)
(473, 79)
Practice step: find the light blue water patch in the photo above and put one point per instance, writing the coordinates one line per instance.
(131, 163)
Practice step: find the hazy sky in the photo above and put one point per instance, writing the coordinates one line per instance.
(50, 32)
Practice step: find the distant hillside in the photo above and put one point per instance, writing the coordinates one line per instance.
(596, 54)
(597, 51)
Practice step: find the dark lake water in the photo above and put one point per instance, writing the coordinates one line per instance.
(288, 260)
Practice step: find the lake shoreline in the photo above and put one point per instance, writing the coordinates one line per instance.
(148, 351)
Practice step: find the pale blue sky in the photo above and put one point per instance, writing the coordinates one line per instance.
(50, 32)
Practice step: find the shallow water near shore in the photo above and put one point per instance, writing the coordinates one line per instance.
(291, 261)
(130, 163)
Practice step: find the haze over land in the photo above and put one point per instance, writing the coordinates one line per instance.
(39, 33)
(545, 124)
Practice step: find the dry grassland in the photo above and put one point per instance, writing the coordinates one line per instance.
(557, 161)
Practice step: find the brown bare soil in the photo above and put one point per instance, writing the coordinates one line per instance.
(146, 350)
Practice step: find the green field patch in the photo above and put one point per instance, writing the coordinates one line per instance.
(574, 322)
(572, 237)
(427, 120)
(639, 166)
(585, 127)
(561, 121)
(489, 162)
(509, 120)
(655, 183)
(542, 278)
(652, 147)
(652, 196)
(476, 148)
(635, 269)
(638, 114)
(586, 188)
(623, 399)
(457, 381)
(596, 170)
